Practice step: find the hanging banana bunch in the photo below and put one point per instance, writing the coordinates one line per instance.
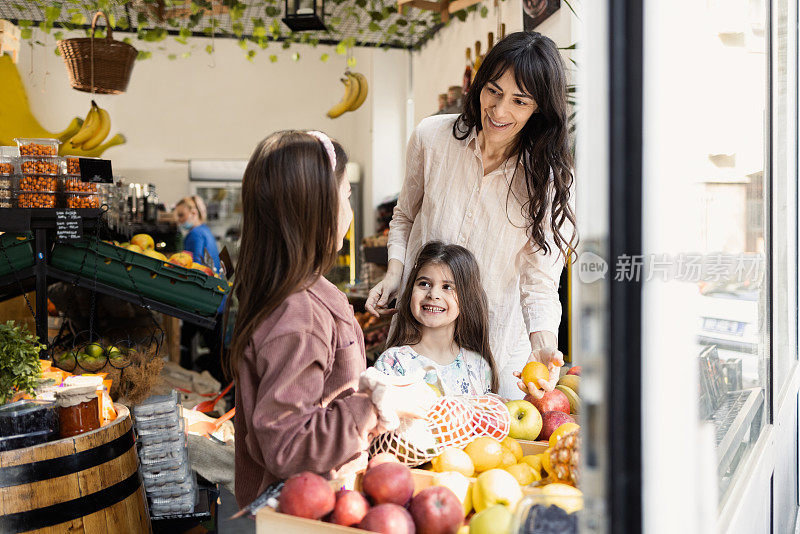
(95, 129)
(355, 93)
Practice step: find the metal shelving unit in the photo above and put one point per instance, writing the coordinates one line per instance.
(41, 222)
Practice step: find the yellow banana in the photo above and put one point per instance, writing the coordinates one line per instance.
(100, 133)
(89, 127)
(74, 127)
(118, 139)
(363, 90)
(351, 90)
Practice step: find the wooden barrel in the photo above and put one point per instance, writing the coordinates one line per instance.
(87, 483)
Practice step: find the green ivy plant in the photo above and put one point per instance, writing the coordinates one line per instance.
(344, 19)
(19, 360)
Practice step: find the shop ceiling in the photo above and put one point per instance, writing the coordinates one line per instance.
(366, 23)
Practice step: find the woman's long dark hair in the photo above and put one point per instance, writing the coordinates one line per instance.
(543, 144)
(472, 323)
(290, 203)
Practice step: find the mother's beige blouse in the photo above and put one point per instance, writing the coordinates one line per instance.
(446, 197)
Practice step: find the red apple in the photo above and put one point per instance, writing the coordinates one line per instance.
(388, 519)
(382, 458)
(551, 421)
(437, 510)
(388, 483)
(574, 370)
(350, 508)
(307, 495)
(551, 401)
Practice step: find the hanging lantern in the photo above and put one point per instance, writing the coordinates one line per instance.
(305, 15)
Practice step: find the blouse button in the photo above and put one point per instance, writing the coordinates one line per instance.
(469, 214)
(461, 238)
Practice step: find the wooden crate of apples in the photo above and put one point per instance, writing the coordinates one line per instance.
(473, 490)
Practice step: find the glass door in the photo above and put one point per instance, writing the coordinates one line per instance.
(685, 300)
(718, 266)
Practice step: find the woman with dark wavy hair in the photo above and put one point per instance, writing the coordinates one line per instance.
(496, 179)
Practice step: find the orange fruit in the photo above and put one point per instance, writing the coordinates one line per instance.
(524, 474)
(566, 428)
(514, 446)
(453, 459)
(533, 372)
(508, 459)
(486, 453)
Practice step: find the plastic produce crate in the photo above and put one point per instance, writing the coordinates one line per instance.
(187, 289)
(19, 249)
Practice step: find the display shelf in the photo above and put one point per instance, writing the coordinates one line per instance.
(133, 298)
(41, 221)
(9, 288)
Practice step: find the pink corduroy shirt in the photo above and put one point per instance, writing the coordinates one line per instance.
(297, 405)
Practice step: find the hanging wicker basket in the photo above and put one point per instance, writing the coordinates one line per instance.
(98, 65)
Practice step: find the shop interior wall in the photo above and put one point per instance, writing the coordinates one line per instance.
(221, 106)
(441, 61)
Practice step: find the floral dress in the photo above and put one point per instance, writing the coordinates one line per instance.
(468, 374)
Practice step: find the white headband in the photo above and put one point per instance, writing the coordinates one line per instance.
(328, 144)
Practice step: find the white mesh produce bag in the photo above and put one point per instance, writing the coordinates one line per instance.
(451, 422)
(448, 424)
(490, 417)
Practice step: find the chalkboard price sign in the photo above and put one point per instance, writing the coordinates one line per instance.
(96, 170)
(69, 226)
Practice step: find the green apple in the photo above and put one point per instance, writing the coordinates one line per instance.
(95, 350)
(493, 520)
(495, 486)
(526, 421)
(66, 356)
(116, 356)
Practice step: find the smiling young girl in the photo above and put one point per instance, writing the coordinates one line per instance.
(442, 324)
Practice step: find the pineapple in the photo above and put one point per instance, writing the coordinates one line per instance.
(565, 459)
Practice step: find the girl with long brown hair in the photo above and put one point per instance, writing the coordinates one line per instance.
(297, 351)
(442, 324)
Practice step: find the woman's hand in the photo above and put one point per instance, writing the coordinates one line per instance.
(554, 360)
(385, 290)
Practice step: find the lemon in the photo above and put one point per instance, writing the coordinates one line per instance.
(513, 445)
(453, 459)
(486, 453)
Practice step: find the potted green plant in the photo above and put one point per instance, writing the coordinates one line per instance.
(19, 360)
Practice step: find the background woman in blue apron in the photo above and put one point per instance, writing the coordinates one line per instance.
(190, 214)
